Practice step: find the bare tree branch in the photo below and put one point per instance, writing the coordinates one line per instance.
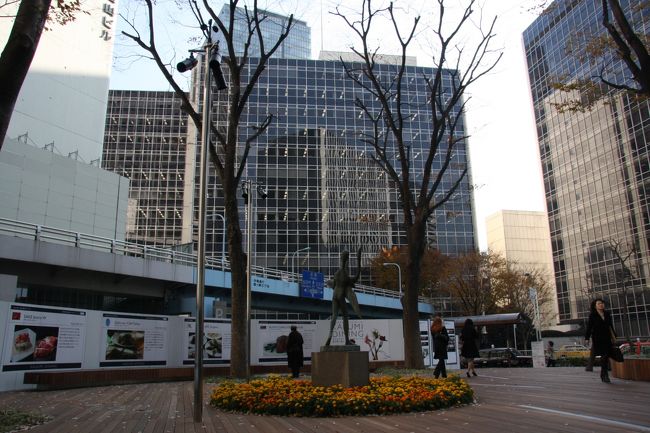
(387, 112)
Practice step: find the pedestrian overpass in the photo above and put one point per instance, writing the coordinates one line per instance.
(33, 255)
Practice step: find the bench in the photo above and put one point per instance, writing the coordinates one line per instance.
(50, 380)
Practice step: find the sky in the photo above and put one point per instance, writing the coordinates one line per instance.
(504, 155)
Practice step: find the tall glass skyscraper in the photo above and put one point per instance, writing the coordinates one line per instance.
(146, 141)
(324, 190)
(596, 170)
(297, 45)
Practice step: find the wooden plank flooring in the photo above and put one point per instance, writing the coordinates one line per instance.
(507, 400)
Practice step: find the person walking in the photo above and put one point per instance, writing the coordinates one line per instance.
(440, 341)
(294, 351)
(469, 351)
(550, 361)
(601, 333)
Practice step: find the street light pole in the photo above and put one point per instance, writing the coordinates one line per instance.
(211, 63)
(200, 265)
(249, 276)
(223, 238)
(399, 275)
(532, 294)
(293, 257)
(247, 186)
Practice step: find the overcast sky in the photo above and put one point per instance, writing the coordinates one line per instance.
(503, 144)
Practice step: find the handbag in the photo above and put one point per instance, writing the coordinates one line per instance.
(616, 354)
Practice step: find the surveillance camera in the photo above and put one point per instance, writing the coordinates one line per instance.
(261, 190)
(215, 67)
(187, 64)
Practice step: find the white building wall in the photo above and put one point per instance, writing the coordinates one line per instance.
(40, 187)
(524, 237)
(64, 96)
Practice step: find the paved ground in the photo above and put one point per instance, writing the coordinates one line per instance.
(508, 400)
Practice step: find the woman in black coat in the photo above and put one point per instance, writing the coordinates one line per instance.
(469, 351)
(294, 351)
(601, 333)
(440, 341)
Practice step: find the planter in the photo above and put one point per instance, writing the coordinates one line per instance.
(632, 369)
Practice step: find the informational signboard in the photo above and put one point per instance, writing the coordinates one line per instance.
(217, 341)
(452, 346)
(272, 340)
(133, 340)
(426, 342)
(38, 338)
(312, 285)
(371, 335)
(539, 359)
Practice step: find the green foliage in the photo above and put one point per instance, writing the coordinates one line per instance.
(578, 361)
(12, 420)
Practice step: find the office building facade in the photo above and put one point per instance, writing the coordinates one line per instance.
(596, 170)
(146, 142)
(62, 103)
(522, 238)
(297, 45)
(325, 194)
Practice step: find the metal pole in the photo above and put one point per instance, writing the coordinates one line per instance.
(514, 330)
(293, 258)
(539, 318)
(249, 275)
(223, 238)
(200, 265)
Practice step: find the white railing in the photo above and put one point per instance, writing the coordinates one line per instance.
(169, 255)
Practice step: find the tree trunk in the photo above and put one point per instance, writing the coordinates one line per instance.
(239, 323)
(411, 326)
(17, 56)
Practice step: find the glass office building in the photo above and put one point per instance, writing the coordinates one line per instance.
(146, 141)
(324, 191)
(596, 170)
(297, 45)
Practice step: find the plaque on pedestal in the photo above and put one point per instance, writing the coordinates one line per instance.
(337, 366)
(341, 348)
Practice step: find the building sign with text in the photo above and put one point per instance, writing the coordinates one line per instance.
(312, 285)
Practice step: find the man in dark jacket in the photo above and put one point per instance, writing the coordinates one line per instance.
(294, 351)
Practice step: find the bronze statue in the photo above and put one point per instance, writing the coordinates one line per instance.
(343, 287)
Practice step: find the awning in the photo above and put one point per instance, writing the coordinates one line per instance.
(489, 319)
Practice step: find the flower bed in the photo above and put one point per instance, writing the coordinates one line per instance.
(278, 395)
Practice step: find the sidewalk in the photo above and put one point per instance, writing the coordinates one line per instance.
(528, 400)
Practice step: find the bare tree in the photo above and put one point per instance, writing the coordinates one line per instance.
(630, 48)
(17, 55)
(433, 264)
(471, 278)
(624, 39)
(625, 275)
(389, 136)
(228, 166)
(512, 284)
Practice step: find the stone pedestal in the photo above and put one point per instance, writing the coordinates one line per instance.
(337, 366)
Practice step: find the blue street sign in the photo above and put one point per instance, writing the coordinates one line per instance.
(312, 285)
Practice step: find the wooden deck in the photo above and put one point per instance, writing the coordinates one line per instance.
(508, 400)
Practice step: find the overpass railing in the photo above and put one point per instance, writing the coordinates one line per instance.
(89, 241)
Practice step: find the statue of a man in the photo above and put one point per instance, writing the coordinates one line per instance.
(343, 286)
